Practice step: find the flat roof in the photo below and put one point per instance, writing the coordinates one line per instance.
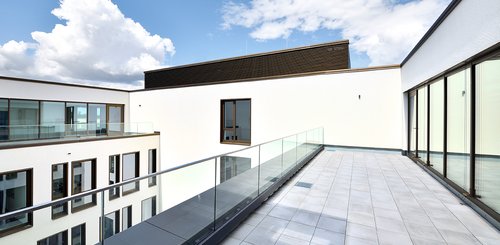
(20, 79)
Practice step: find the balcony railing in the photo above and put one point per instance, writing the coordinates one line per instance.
(14, 133)
(192, 203)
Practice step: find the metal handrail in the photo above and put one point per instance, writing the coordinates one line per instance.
(95, 191)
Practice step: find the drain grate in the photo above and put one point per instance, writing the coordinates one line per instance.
(304, 184)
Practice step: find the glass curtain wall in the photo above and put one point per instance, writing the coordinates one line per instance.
(51, 119)
(413, 123)
(488, 132)
(76, 118)
(458, 125)
(436, 126)
(24, 120)
(4, 119)
(422, 124)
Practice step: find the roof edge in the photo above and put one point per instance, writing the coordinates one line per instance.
(345, 41)
(437, 23)
(20, 79)
(340, 71)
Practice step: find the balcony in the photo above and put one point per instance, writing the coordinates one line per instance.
(29, 135)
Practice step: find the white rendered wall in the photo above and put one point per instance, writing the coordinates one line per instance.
(470, 28)
(41, 158)
(189, 118)
(42, 91)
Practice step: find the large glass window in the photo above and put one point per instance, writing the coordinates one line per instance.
(23, 117)
(422, 124)
(111, 224)
(115, 119)
(413, 123)
(51, 119)
(152, 166)
(4, 119)
(148, 207)
(78, 235)
(114, 175)
(60, 238)
(436, 127)
(130, 166)
(15, 193)
(236, 121)
(83, 179)
(458, 126)
(488, 132)
(97, 119)
(76, 118)
(126, 217)
(59, 188)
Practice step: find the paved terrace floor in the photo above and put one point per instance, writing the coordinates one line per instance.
(363, 197)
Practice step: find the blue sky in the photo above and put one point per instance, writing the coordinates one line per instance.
(199, 31)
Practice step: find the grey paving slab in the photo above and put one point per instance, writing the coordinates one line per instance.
(366, 197)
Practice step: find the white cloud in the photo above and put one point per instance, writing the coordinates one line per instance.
(384, 29)
(96, 44)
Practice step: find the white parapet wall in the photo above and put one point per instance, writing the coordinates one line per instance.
(356, 108)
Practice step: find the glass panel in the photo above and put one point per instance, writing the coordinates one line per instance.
(115, 119)
(228, 114)
(413, 124)
(23, 119)
(130, 170)
(97, 118)
(78, 235)
(60, 238)
(126, 217)
(301, 146)
(458, 128)
(148, 208)
(59, 188)
(190, 205)
(83, 180)
(14, 188)
(243, 120)
(436, 125)
(114, 175)
(4, 119)
(76, 118)
(270, 163)
(422, 124)
(488, 132)
(52, 119)
(289, 152)
(237, 182)
(152, 166)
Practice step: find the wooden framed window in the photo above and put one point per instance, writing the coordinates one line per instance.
(236, 121)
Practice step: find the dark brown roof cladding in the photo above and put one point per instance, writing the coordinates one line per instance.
(321, 57)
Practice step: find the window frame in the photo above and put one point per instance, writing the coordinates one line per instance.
(222, 117)
(64, 236)
(137, 173)
(82, 233)
(128, 211)
(117, 177)
(153, 207)
(152, 166)
(93, 184)
(65, 193)
(29, 202)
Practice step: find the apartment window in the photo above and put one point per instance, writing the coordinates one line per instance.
(97, 119)
(15, 193)
(59, 188)
(148, 207)
(233, 166)
(130, 170)
(126, 217)
(115, 119)
(83, 179)
(4, 119)
(152, 166)
(111, 224)
(51, 119)
(60, 238)
(235, 125)
(78, 235)
(24, 120)
(76, 118)
(114, 175)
